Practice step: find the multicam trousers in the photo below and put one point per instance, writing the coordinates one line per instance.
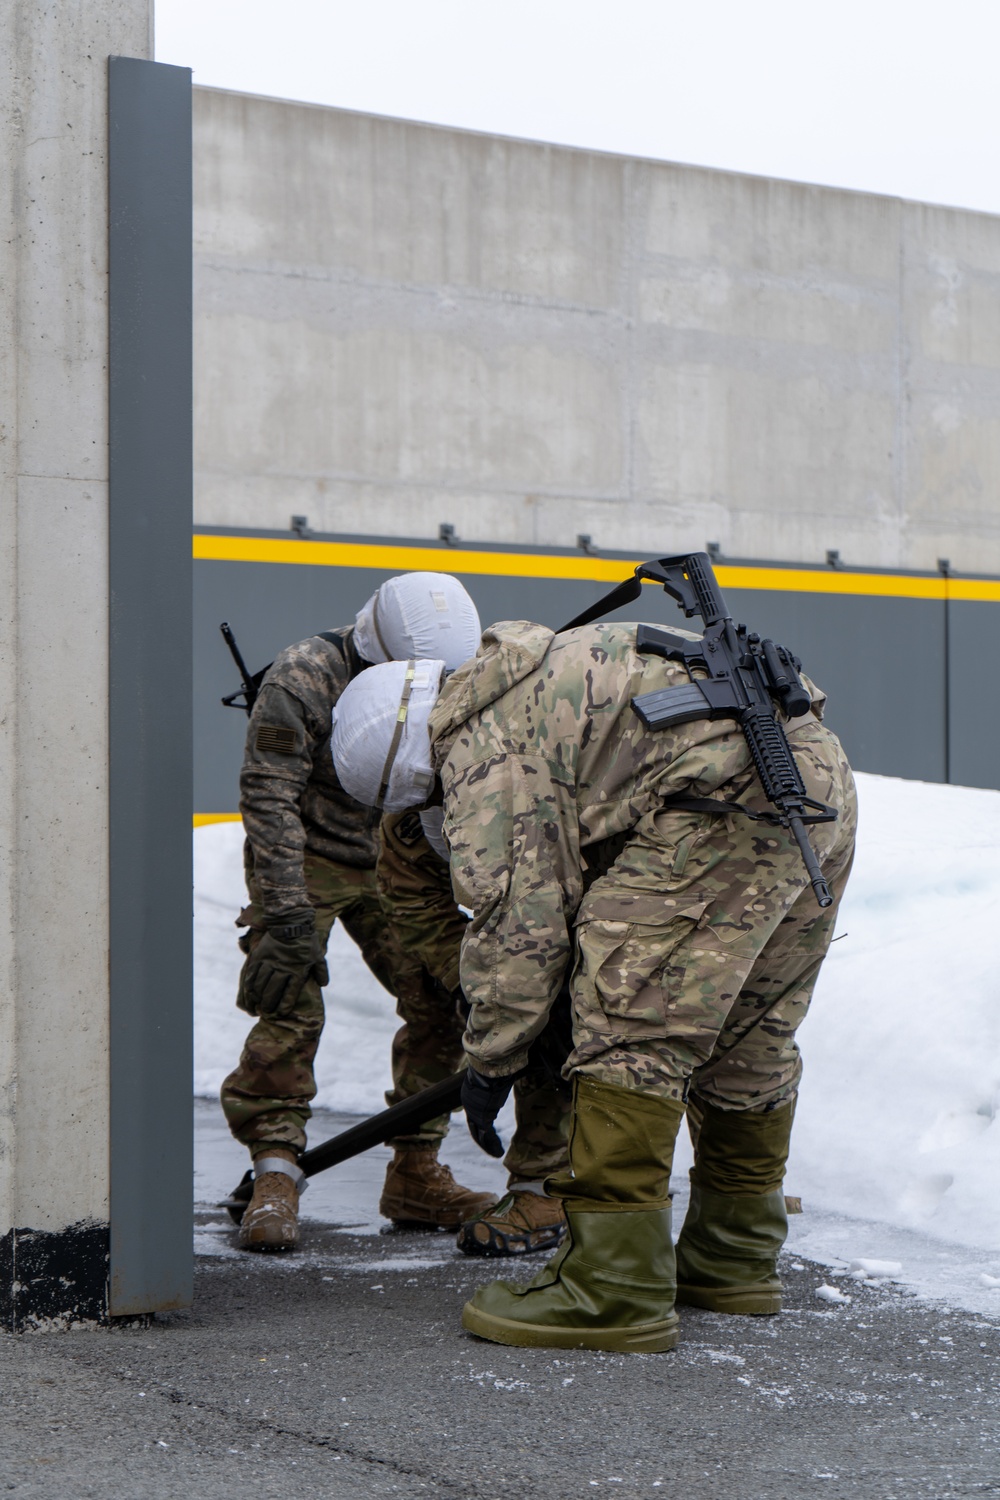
(266, 1099)
(698, 951)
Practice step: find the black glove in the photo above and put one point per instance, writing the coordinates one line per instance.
(277, 968)
(482, 1100)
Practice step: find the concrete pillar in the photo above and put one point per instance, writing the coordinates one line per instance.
(56, 653)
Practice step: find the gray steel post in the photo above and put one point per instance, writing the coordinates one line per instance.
(149, 186)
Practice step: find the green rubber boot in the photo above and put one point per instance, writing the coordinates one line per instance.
(727, 1253)
(611, 1285)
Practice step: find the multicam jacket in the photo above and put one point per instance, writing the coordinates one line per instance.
(544, 766)
(290, 797)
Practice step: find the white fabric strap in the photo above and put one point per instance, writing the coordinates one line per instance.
(286, 1168)
(397, 733)
(381, 745)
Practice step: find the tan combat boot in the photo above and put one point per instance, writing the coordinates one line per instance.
(420, 1191)
(523, 1221)
(271, 1220)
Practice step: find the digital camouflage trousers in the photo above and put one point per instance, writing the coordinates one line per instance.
(267, 1098)
(698, 951)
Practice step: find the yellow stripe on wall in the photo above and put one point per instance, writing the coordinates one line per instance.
(201, 820)
(391, 558)
(386, 557)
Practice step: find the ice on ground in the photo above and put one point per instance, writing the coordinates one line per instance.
(875, 1269)
(831, 1294)
(897, 1141)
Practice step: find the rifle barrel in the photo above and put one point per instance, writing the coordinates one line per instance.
(237, 655)
(810, 861)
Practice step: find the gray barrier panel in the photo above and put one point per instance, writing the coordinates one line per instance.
(881, 660)
(974, 694)
(881, 663)
(149, 186)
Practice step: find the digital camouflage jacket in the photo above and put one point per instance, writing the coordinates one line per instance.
(290, 798)
(545, 766)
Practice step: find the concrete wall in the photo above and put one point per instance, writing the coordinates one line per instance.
(54, 1015)
(398, 325)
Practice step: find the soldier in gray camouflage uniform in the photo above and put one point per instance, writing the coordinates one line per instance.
(694, 959)
(415, 887)
(310, 859)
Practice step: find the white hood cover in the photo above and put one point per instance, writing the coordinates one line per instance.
(363, 724)
(418, 615)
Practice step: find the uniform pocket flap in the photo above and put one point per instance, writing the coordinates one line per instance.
(646, 909)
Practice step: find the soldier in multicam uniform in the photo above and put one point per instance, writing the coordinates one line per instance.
(695, 955)
(415, 887)
(310, 857)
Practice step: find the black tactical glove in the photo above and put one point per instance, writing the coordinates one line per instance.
(482, 1100)
(289, 953)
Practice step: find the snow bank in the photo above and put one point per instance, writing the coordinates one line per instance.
(897, 1117)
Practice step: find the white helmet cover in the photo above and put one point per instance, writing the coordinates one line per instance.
(380, 745)
(427, 615)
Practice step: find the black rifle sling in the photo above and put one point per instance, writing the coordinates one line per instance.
(621, 594)
(717, 808)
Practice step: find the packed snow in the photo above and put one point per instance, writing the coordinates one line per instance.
(896, 1148)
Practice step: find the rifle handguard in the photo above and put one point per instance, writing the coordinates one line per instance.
(741, 677)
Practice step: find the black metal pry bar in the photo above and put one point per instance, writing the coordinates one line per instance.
(400, 1119)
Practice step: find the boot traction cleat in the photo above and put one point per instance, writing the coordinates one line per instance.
(520, 1224)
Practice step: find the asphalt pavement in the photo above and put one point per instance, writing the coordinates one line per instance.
(343, 1372)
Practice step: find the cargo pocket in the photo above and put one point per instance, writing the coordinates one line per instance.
(630, 962)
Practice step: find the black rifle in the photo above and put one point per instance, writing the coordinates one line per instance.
(251, 681)
(744, 679)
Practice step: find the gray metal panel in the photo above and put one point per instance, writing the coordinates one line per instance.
(974, 694)
(150, 693)
(881, 663)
